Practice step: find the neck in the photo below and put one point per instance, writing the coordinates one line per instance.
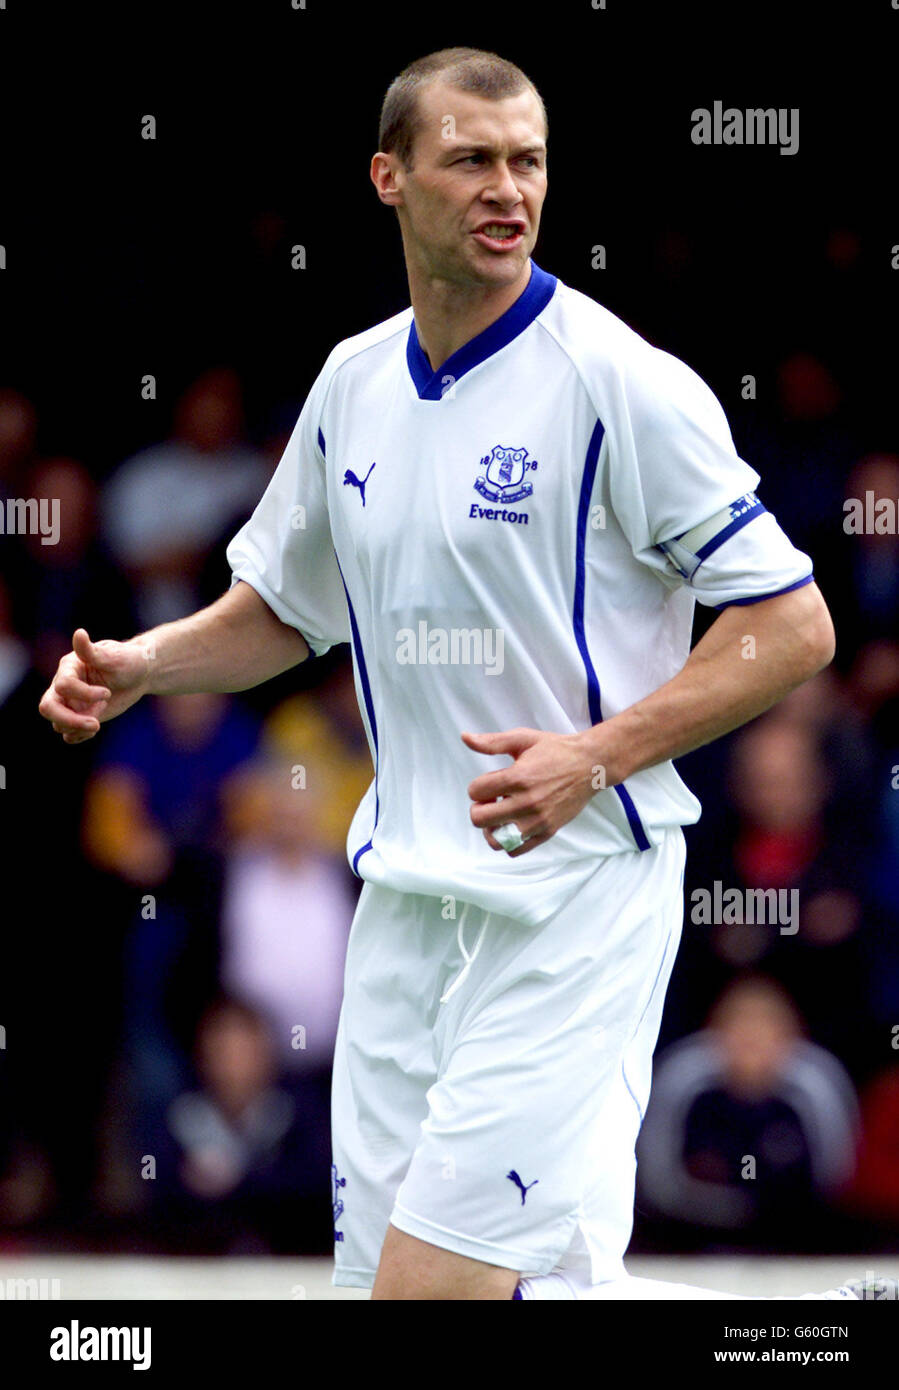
(449, 314)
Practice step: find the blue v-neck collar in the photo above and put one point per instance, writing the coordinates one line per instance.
(432, 386)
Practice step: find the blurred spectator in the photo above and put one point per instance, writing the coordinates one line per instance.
(214, 575)
(858, 570)
(56, 963)
(27, 1187)
(874, 685)
(804, 451)
(72, 582)
(789, 829)
(327, 720)
(286, 918)
(157, 785)
(779, 787)
(18, 431)
(875, 1189)
(152, 825)
(14, 655)
(165, 507)
(885, 877)
(241, 1169)
(750, 1129)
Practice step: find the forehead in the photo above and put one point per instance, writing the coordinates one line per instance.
(509, 121)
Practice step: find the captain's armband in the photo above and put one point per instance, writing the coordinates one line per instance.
(686, 552)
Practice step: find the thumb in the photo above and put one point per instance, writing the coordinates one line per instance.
(509, 741)
(83, 647)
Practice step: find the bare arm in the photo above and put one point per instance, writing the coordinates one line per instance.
(235, 643)
(726, 681)
(751, 657)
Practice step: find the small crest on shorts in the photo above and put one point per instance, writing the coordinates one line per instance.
(336, 1201)
(504, 479)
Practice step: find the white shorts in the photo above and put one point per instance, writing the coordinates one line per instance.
(501, 1124)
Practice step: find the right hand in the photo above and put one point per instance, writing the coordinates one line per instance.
(93, 683)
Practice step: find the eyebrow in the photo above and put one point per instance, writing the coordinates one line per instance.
(484, 147)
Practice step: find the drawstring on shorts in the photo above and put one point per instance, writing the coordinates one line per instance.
(469, 959)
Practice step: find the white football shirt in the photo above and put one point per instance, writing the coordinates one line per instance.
(489, 538)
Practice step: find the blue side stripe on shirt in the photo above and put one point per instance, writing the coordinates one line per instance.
(369, 707)
(366, 688)
(593, 691)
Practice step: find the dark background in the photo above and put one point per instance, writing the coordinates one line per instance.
(132, 256)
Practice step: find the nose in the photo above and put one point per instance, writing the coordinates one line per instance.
(502, 188)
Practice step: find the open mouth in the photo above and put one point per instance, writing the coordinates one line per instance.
(500, 236)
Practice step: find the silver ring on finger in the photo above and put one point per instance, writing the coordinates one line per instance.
(509, 836)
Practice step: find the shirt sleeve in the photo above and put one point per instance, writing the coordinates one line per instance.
(684, 497)
(285, 550)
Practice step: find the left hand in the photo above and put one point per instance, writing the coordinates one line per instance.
(548, 784)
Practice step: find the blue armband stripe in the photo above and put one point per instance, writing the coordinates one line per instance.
(736, 525)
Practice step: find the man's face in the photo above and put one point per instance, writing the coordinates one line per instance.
(470, 207)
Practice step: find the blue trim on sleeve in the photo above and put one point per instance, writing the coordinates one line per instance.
(369, 708)
(321, 443)
(759, 598)
(594, 695)
(430, 384)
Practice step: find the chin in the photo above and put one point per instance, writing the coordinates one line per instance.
(502, 270)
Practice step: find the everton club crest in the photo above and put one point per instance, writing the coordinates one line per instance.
(504, 478)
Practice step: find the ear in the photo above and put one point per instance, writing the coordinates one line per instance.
(387, 177)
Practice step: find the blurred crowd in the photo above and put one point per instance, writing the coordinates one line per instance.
(179, 899)
(173, 969)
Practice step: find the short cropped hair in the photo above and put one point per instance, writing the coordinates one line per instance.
(466, 69)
